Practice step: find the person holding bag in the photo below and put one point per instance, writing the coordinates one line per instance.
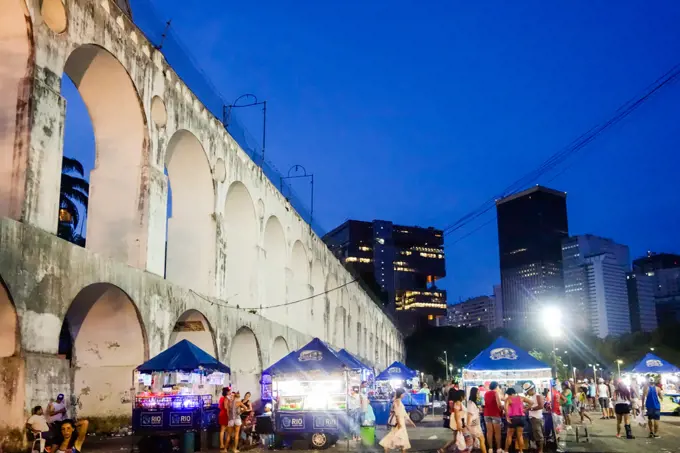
(462, 440)
(397, 438)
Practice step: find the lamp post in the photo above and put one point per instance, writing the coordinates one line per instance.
(446, 359)
(594, 366)
(618, 366)
(451, 370)
(226, 115)
(552, 317)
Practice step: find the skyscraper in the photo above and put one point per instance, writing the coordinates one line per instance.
(641, 302)
(663, 270)
(531, 227)
(582, 269)
(400, 262)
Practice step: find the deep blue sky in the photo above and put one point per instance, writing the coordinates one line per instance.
(418, 112)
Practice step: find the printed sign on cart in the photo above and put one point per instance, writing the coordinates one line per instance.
(313, 356)
(293, 422)
(325, 422)
(503, 353)
(151, 419)
(181, 419)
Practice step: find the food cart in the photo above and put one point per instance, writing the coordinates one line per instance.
(390, 379)
(310, 390)
(177, 392)
(669, 375)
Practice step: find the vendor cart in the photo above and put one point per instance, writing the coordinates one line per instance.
(177, 394)
(310, 390)
(387, 382)
(667, 374)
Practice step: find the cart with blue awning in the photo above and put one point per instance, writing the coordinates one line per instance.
(395, 376)
(310, 391)
(668, 373)
(178, 391)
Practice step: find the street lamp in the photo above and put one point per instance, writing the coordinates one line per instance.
(651, 349)
(451, 370)
(446, 358)
(594, 366)
(551, 320)
(618, 365)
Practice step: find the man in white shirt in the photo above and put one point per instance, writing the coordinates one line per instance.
(56, 410)
(603, 398)
(37, 424)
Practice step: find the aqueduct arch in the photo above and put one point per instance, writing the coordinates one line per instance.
(318, 302)
(116, 226)
(275, 265)
(102, 360)
(245, 360)
(299, 288)
(190, 259)
(193, 326)
(241, 234)
(279, 350)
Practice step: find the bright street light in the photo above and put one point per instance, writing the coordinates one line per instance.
(552, 320)
(618, 365)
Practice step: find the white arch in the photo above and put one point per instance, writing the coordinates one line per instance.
(299, 288)
(241, 231)
(246, 363)
(332, 302)
(279, 350)
(275, 271)
(193, 326)
(15, 77)
(116, 225)
(105, 337)
(319, 302)
(190, 258)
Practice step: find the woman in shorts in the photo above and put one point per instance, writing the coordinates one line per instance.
(514, 415)
(622, 409)
(493, 412)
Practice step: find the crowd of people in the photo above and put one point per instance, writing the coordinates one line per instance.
(238, 422)
(53, 428)
(494, 405)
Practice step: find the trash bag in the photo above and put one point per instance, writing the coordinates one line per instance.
(640, 419)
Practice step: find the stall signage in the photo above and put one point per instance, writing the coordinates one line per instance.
(503, 353)
(325, 421)
(310, 356)
(653, 363)
(394, 369)
(293, 421)
(151, 419)
(181, 419)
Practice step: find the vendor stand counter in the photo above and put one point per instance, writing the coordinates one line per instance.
(310, 391)
(181, 388)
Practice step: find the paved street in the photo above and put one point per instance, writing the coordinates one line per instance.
(429, 436)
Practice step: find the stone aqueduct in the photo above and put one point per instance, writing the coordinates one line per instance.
(78, 320)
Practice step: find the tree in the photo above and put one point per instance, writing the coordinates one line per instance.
(73, 193)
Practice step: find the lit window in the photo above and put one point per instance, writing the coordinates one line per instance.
(351, 259)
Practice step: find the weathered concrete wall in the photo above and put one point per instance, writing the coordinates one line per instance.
(12, 391)
(249, 256)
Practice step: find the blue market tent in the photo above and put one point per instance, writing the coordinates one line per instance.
(504, 355)
(651, 363)
(358, 365)
(314, 356)
(396, 371)
(183, 356)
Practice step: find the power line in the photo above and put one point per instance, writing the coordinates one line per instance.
(251, 309)
(573, 148)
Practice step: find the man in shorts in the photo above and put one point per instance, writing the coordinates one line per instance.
(535, 414)
(652, 398)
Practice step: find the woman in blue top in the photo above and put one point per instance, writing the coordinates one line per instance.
(652, 399)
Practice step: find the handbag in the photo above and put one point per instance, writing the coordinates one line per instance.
(460, 441)
(392, 421)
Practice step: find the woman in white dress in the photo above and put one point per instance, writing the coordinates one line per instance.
(397, 438)
(473, 422)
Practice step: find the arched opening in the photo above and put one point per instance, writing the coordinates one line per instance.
(11, 364)
(190, 256)
(299, 287)
(279, 350)
(371, 351)
(241, 231)
(15, 80)
(194, 327)
(340, 316)
(112, 157)
(318, 302)
(331, 302)
(9, 332)
(245, 363)
(275, 271)
(104, 339)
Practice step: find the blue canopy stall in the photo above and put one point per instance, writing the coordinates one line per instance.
(176, 391)
(669, 374)
(391, 378)
(507, 364)
(310, 393)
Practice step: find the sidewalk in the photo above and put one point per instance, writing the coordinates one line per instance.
(603, 438)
